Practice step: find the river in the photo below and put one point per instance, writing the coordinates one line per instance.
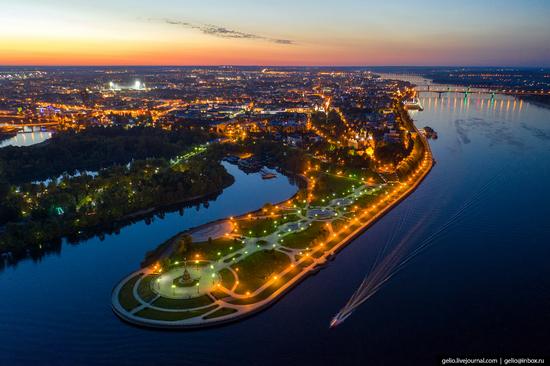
(26, 138)
(483, 288)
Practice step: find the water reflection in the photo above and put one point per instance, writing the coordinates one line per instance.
(231, 201)
(27, 139)
(497, 137)
(482, 102)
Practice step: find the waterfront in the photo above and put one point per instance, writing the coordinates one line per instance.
(450, 299)
(26, 139)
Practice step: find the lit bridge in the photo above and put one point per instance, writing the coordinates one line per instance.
(31, 125)
(469, 90)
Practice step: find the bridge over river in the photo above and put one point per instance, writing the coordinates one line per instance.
(441, 89)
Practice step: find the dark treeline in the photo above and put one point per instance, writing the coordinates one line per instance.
(272, 153)
(393, 152)
(93, 149)
(330, 124)
(38, 215)
(34, 217)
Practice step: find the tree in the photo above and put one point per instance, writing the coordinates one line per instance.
(184, 243)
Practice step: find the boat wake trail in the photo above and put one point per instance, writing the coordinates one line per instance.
(395, 255)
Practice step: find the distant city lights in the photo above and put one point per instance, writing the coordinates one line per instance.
(137, 85)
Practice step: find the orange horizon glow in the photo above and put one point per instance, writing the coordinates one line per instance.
(244, 32)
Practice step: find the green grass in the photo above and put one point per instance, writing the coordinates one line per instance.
(305, 238)
(367, 199)
(263, 226)
(154, 314)
(209, 251)
(196, 302)
(227, 278)
(327, 185)
(220, 312)
(126, 296)
(257, 268)
(267, 292)
(144, 288)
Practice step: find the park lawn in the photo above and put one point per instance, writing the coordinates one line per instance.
(365, 175)
(196, 302)
(305, 238)
(367, 200)
(215, 249)
(327, 185)
(258, 227)
(154, 314)
(220, 312)
(228, 279)
(258, 267)
(268, 291)
(144, 289)
(126, 294)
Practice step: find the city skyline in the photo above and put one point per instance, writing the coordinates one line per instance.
(288, 33)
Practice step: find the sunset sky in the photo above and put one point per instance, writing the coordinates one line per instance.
(283, 32)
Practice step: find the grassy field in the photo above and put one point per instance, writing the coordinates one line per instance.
(331, 186)
(149, 313)
(268, 291)
(163, 302)
(257, 268)
(263, 226)
(303, 239)
(367, 199)
(228, 279)
(126, 295)
(217, 248)
(144, 288)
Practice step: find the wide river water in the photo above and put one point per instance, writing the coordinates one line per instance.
(482, 288)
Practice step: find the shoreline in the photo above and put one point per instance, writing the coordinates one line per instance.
(312, 269)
